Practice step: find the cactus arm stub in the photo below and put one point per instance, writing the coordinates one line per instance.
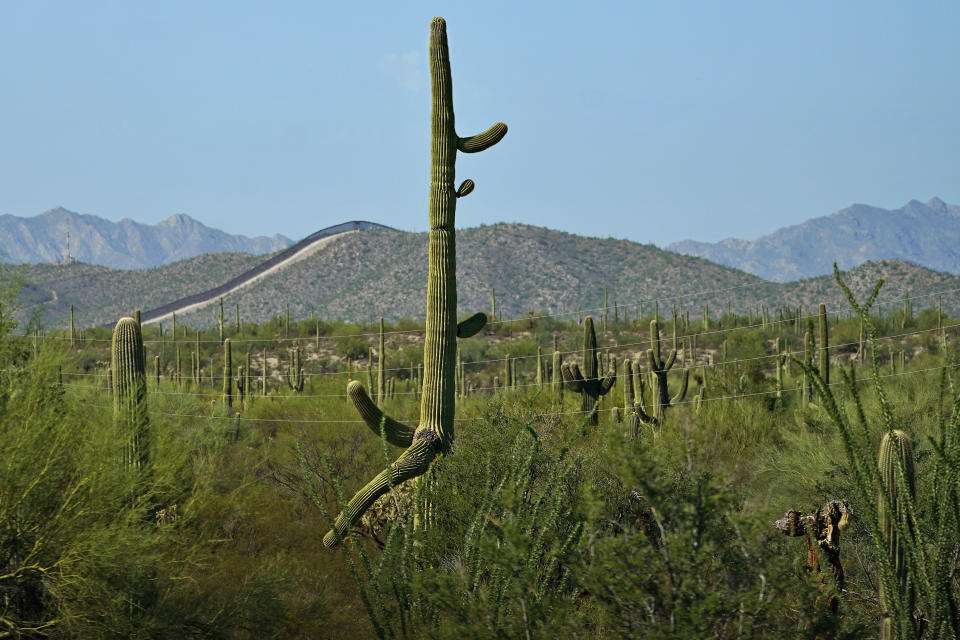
(472, 325)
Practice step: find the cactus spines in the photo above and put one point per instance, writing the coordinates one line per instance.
(896, 465)
(129, 384)
(227, 374)
(434, 434)
(586, 382)
(824, 345)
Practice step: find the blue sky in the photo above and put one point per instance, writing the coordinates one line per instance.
(649, 121)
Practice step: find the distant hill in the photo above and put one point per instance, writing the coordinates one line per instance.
(120, 245)
(926, 234)
(361, 276)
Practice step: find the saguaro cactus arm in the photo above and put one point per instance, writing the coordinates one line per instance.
(434, 434)
(682, 393)
(472, 325)
(572, 376)
(412, 463)
(398, 434)
(482, 141)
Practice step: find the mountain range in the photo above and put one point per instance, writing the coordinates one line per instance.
(120, 245)
(924, 233)
(365, 274)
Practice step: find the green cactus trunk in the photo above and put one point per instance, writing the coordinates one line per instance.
(381, 381)
(434, 434)
(824, 345)
(227, 374)
(539, 367)
(128, 381)
(263, 375)
(896, 464)
(557, 378)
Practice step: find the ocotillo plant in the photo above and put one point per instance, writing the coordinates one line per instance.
(73, 339)
(586, 383)
(897, 477)
(129, 383)
(227, 374)
(434, 435)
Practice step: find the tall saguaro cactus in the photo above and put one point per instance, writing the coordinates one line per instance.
(434, 434)
(129, 382)
(587, 383)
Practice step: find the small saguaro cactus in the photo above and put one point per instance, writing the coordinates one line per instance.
(263, 375)
(227, 374)
(586, 382)
(295, 370)
(242, 385)
(129, 383)
(434, 434)
(780, 358)
(824, 345)
(556, 376)
(659, 368)
(896, 465)
(73, 338)
(381, 372)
